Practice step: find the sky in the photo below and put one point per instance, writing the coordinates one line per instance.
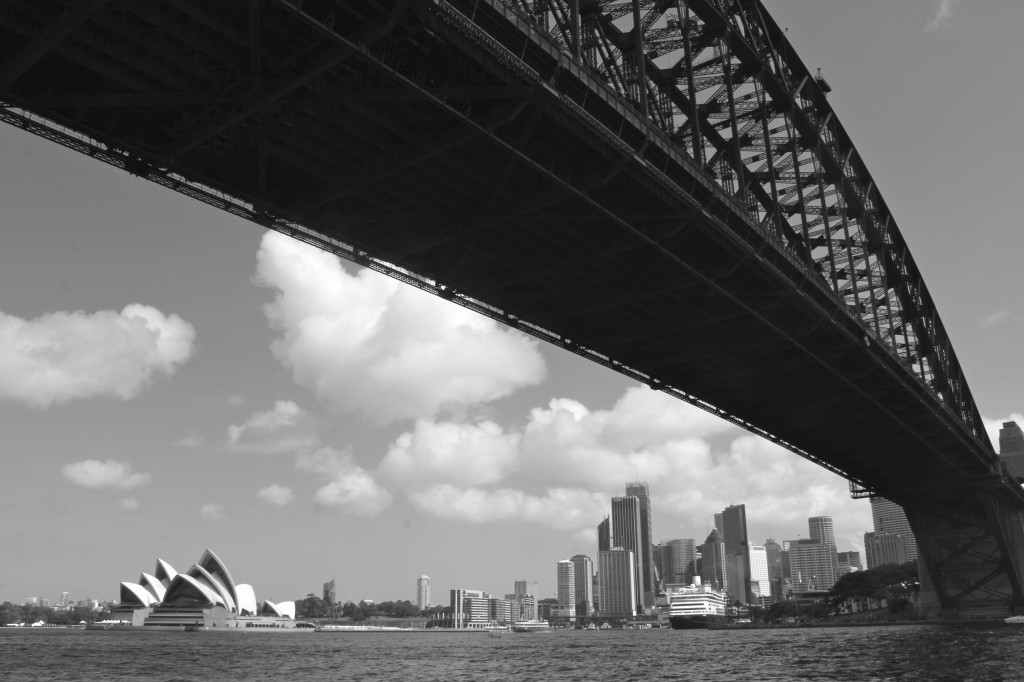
(174, 379)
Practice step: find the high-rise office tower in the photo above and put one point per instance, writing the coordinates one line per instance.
(773, 553)
(584, 580)
(526, 587)
(737, 553)
(648, 571)
(423, 592)
(888, 517)
(1011, 449)
(566, 582)
(617, 587)
(848, 563)
(760, 582)
(811, 565)
(625, 530)
(821, 529)
(885, 548)
(679, 558)
(329, 593)
(604, 535)
(712, 561)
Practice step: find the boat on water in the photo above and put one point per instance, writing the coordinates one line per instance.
(531, 626)
(1014, 620)
(362, 628)
(695, 606)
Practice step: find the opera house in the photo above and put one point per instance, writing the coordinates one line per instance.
(204, 596)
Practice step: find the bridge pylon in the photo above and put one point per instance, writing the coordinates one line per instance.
(970, 554)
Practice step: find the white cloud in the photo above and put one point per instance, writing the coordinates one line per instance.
(369, 345)
(460, 454)
(568, 509)
(285, 428)
(129, 504)
(355, 493)
(59, 357)
(213, 512)
(92, 473)
(192, 440)
(996, 319)
(279, 495)
(943, 15)
(350, 489)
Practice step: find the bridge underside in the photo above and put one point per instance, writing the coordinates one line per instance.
(509, 179)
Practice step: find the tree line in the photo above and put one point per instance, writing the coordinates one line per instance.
(11, 614)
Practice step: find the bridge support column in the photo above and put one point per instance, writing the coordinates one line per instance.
(970, 556)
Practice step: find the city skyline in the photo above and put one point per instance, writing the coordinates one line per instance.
(212, 412)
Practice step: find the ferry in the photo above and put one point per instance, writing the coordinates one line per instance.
(531, 626)
(696, 606)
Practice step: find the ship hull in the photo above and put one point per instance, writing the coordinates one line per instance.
(694, 622)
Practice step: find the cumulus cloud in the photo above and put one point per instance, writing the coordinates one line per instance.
(284, 428)
(560, 508)
(64, 356)
(213, 512)
(278, 495)
(943, 15)
(369, 345)
(92, 473)
(460, 454)
(350, 489)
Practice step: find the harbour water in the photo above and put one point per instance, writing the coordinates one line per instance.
(908, 652)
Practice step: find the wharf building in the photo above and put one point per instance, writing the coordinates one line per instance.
(475, 609)
(422, 592)
(626, 534)
(646, 568)
(205, 596)
(617, 583)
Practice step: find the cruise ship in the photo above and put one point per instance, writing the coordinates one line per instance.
(696, 606)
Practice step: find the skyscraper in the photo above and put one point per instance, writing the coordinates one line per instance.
(760, 582)
(811, 565)
(423, 592)
(737, 554)
(885, 548)
(625, 531)
(329, 593)
(604, 535)
(647, 570)
(712, 553)
(848, 562)
(679, 561)
(566, 581)
(1011, 449)
(773, 553)
(888, 517)
(584, 581)
(617, 587)
(821, 529)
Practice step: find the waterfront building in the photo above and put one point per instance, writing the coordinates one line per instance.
(889, 517)
(811, 566)
(737, 553)
(477, 609)
(1011, 449)
(885, 548)
(760, 582)
(523, 607)
(617, 582)
(566, 586)
(626, 533)
(422, 592)
(329, 592)
(679, 559)
(712, 553)
(583, 579)
(645, 568)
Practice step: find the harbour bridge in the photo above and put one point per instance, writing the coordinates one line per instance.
(660, 186)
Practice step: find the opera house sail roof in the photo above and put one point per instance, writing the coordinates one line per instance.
(205, 596)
